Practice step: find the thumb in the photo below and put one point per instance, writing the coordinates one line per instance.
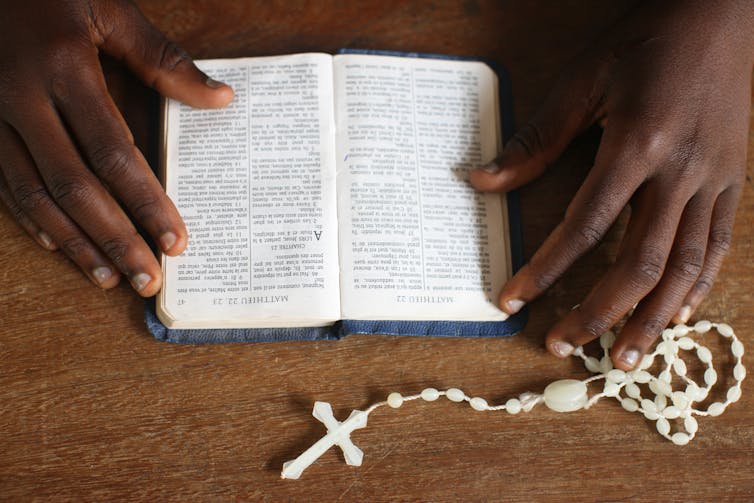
(572, 105)
(126, 34)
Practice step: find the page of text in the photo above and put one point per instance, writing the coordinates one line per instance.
(416, 241)
(255, 184)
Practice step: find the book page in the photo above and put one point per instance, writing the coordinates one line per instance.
(255, 184)
(416, 241)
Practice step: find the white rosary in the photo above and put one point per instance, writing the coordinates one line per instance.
(569, 394)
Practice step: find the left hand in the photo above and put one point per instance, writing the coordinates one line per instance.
(671, 85)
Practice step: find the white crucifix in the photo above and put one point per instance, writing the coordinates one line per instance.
(337, 434)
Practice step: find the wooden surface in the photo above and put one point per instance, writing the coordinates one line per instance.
(92, 408)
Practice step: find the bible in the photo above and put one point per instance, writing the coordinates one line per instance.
(332, 197)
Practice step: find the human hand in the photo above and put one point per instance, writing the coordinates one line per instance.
(671, 86)
(67, 157)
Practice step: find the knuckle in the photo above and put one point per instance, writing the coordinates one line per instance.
(688, 263)
(71, 192)
(596, 326)
(720, 241)
(31, 199)
(111, 162)
(116, 249)
(75, 247)
(648, 267)
(530, 138)
(651, 328)
(703, 285)
(146, 209)
(544, 279)
(171, 55)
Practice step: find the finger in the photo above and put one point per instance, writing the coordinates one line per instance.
(572, 105)
(599, 201)
(30, 196)
(126, 34)
(107, 144)
(41, 237)
(718, 244)
(684, 265)
(636, 271)
(82, 197)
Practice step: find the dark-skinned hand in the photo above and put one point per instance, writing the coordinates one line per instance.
(67, 159)
(671, 86)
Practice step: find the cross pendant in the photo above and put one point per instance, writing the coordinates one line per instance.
(337, 434)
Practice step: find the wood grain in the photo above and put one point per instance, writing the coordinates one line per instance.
(91, 408)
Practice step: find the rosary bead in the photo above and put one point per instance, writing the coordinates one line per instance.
(725, 330)
(701, 394)
(633, 390)
(395, 400)
(663, 348)
(669, 358)
(686, 343)
(737, 348)
(648, 404)
(680, 438)
(592, 364)
(661, 402)
(667, 334)
(679, 366)
(646, 362)
(710, 376)
(739, 372)
(611, 388)
(680, 399)
(629, 404)
(665, 376)
(671, 412)
(660, 387)
(566, 395)
(641, 376)
(455, 395)
(616, 375)
(430, 394)
(478, 403)
(734, 394)
(513, 406)
(704, 354)
(702, 326)
(716, 409)
(607, 339)
(681, 330)
(663, 426)
(606, 364)
(690, 424)
(651, 415)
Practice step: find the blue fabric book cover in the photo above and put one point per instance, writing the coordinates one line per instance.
(459, 328)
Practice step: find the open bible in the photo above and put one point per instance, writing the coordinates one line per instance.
(333, 192)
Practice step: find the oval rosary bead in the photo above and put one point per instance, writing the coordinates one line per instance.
(661, 402)
(685, 343)
(679, 366)
(665, 376)
(669, 358)
(690, 424)
(739, 372)
(680, 399)
(651, 415)
(395, 400)
(641, 376)
(710, 377)
(629, 404)
(607, 339)
(680, 438)
(430, 394)
(592, 364)
(513, 406)
(606, 364)
(660, 387)
(681, 330)
(648, 405)
(478, 403)
(611, 388)
(667, 334)
(702, 326)
(633, 390)
(716, 409)
(646, 362)
(663, 426)
(725, 330)
(616, 375)
(455, 395)
(566, 395)
(737, 348)
(734, 394)
(671, 412)
(704, 354)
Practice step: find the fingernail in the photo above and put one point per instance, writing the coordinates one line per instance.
(561, 348)
(140, 281)
(45, 239)
(102, 274)
(167, 240)
(629, 357)
(514, 305)
(684, 314)
(492, 167)
(214, 84)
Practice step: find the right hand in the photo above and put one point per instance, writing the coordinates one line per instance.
(67, 158)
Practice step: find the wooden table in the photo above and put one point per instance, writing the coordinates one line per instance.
(91, 407)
